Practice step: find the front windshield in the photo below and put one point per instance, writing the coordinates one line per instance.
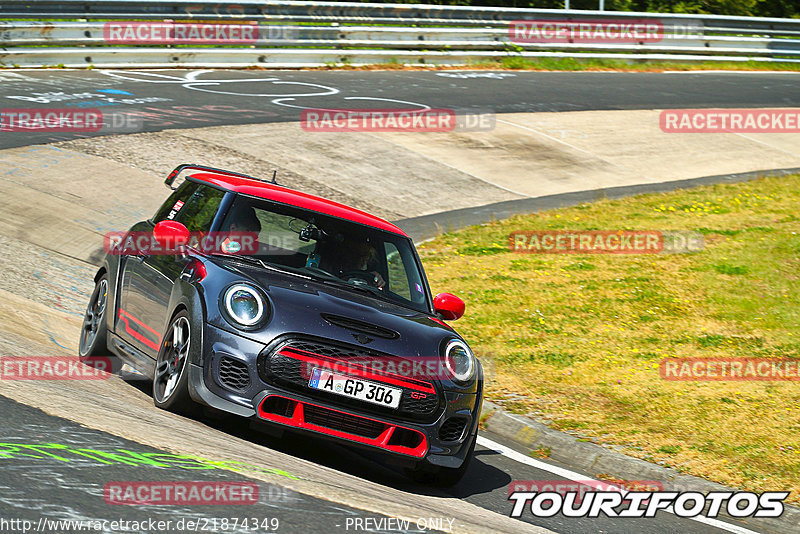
(357, 257)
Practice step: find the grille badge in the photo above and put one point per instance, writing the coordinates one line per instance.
(362, 338)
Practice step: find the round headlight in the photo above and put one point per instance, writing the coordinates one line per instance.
(459, 360)
(244, 304)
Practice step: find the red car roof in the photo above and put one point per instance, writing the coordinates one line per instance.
(285, 195)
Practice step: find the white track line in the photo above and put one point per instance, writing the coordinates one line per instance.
(773, 147)
(729, 72)
(552, 138)
(576, 477)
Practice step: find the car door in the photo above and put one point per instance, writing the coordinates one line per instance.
(147, 279)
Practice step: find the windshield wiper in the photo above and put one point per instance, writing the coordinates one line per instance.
(373, 291)
(259, 262)
(322, 274)
(316, 274)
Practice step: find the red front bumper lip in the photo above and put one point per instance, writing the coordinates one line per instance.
(384, 440)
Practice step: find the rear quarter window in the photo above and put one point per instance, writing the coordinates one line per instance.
(170, 209)
(199, 210)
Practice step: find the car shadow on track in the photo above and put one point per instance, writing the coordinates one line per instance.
(481, 477)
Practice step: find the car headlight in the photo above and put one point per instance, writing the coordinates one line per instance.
(244, 305)
(459, 360)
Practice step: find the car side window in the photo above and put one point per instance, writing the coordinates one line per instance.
(398, 280)
(199, 209)
(174, 204)
(404, 279)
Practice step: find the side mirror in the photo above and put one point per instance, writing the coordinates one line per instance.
(171, 234)
(448, 306)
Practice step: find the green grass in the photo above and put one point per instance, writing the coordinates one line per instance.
(579, 64)
(515, 62)
(576, 340)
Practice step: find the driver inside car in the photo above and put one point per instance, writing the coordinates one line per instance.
(356, 259)
(243, 221)
(361, 257)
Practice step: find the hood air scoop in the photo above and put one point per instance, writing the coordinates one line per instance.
(360, 326)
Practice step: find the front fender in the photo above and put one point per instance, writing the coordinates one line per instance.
(188, 296)
(111, 266)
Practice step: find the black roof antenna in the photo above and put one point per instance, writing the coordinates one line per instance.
(274, 174)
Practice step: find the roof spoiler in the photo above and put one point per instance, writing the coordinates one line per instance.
(172, 177)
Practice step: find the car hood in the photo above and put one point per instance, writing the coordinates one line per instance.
(309, 307)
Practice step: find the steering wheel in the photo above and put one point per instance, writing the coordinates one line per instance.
(362, 276)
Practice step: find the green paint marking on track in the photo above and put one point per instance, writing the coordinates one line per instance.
(63, 453)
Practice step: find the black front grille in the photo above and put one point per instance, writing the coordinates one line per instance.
(342, 421)
(288, 369)
(295, 374)
(340, 352)
(452, 429)
(233, 374)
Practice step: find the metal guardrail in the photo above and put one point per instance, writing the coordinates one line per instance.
(74, 33)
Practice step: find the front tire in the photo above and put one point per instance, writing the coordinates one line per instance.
(171, 377)
(94, 333)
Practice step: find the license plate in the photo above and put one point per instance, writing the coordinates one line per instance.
(355, 388)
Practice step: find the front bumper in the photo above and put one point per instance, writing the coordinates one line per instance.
(311, 416)
(431, 439)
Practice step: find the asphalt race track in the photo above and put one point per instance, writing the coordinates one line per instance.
(71, 485)
(186, 99)
(307, 485)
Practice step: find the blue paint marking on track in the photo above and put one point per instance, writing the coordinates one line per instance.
(114, 91)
